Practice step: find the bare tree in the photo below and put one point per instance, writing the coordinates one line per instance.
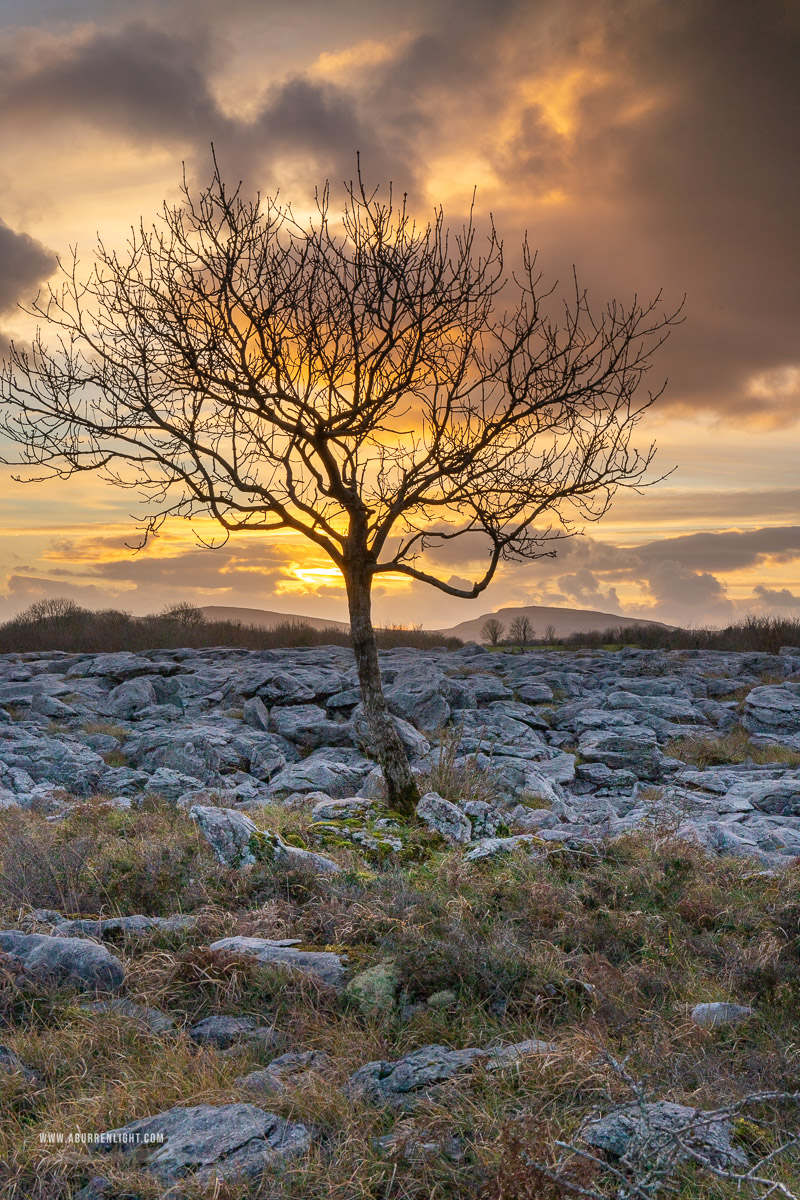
(520, 631)
(492, 630)
(359, 381)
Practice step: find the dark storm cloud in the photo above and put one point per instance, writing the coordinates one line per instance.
(679, 168)
(725, 551)
(24, 264)
(138, 82)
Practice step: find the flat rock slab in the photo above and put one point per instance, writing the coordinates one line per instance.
(322, 964)
(75, 962)
(210, 1142)
(115, 927)
(286, 1071)
(224, 1032)
(653, 1131)
(402, 1082)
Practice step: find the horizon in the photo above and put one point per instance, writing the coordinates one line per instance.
(652, 148)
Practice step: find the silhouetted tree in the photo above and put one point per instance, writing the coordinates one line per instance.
(493, 630)
(520, 631)
(360, 381)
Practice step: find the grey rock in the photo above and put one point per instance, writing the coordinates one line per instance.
(534, 691)
(348, 809)
(648, 1134)
(338, 773)
(775, 796)
(98, 1188)
(415, 743)
(53, 709)
(226, 1031)
(716, 1014)
(128, 699)
(114, 927)
(496, 847)
(73, 962)
(211, 1142)
(486, 687)
(397, 1083)
(10, 1064)
(286, 1071)
(255, 713)
(484, 818)
(164, 782)
(444, 818)
(324, 965)
(69, 765)
(152, 1019)
(229, 833)
(307, 725)
(633, 749)
(773, 709)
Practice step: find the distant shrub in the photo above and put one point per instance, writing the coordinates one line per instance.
(60, 624)
(766, 634)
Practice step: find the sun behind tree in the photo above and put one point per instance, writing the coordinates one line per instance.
(360, 382)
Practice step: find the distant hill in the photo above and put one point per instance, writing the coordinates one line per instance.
(564, 621)
(265, 619)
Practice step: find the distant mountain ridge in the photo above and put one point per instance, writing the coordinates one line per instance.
(564, 620)
(266, 619)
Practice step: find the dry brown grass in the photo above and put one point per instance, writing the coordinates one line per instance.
(735, 746)
(596, 953)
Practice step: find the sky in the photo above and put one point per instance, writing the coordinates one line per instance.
(651, 144)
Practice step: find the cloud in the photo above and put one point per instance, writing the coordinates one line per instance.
(652, 144)
(583, 589)
(729, 551)
(24, 265)
(773, 598)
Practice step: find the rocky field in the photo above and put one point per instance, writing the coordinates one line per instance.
(227, 970)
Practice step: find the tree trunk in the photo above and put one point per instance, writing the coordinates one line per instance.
(402, 792)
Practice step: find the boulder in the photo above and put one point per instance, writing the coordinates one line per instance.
(397, 1083)
(444, 818)
(648, 1133)
(127, 700)
(73, 962)
(717, 1014)
(230, 833)
(284, 1072)
(773, 710)
(255, 713)
(69, 765)
(322, 964)
(210, 1143)
(348, 809)
(308, 725)
(633, 748)
(338, 772)
(223, 1032)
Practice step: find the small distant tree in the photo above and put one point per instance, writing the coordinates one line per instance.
(550, 634)
(492, 630)
(520, 631)
(56, 610)
(188, 615)
(375, 386)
